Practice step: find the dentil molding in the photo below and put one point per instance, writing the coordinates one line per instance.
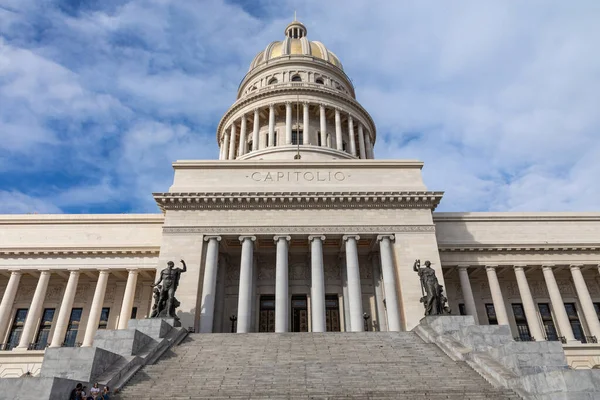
(208, 230)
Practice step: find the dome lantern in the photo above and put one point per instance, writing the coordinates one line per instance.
(295, 30)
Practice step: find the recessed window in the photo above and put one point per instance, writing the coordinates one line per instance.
(272, 81)
(297, 137)
(521, 322)
(320, 81)
(296, 78)
(491, 314)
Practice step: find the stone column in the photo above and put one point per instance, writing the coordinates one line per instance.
(369, 146)
(585, 300)
(379, 296)
(226, 145)
(35, 311)
(305, 123)
(361, 141)
(323, 125)
(245, 293)
(558, 306)
(317, 286)
(256, 130)
(209, 285)
(354, 286)
(389, 281)
(282, 307)
(8, 299)
(288, 122)
(128, 297)
(465, 285)
(497, 297)
(535, 328)
(339, 141)
(64, 313)
(346, 296)
(243, 129)
(232, 140)
(351, 135)
(271, 138)
(96, 308)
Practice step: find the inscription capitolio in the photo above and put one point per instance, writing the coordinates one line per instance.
(298, 176)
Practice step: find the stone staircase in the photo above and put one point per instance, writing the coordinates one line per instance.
(369, 365)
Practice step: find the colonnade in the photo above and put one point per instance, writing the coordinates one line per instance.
(529, 307)
(317, 288)
(234, 145)
(61, 323)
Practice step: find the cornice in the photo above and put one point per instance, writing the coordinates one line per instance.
(297, 200)
(520, 248)
(287, 88)
(74, 219)
(304, 230)
(81, 251)
(271, 164)
(515, 216)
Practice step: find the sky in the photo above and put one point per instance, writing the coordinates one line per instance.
(500, 99)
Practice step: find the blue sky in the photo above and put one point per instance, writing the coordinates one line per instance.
(500, 99)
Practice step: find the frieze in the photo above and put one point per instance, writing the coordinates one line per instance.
(564, 287)
(232, 230)
(298, 176)
(25, 292)
(54, 293)
(109, 294)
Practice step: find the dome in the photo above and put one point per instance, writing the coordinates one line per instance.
(296, 43)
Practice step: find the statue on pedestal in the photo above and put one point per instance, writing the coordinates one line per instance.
(433, 298)
(165, 302)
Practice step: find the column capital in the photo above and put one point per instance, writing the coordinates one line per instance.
(243, 116)
(271, 106)
(103, 271)
(45, 271)
(133, 271)
(491, 267)
(305, 103)
(288, 103)
(16, 272)
(389, 236)
(546, 267)
(287, 238)
(256, 110)
(518, 267)
(244, 237)
(346, 237)
(209, 237)
(575, 266)
(317, 236)
(322, 105)
(463, 267)
(73, 271)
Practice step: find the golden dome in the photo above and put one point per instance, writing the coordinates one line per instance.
(296, 43)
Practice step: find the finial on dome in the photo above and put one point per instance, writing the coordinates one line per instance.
(296, 29)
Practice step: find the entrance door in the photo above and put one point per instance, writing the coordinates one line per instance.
(332, 313)
(266, 322)
(299, 313)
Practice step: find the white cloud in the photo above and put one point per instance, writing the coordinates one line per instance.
(14, 202)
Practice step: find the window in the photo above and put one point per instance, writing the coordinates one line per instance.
(549, 327)
(275, 138)
(521, 321)
(17, 328)
(133, 312)
(462, 310)
(296, 78)
(344, 146)
(597, 307)
(297, 137)
(250, 145)
(491, 314)
(272, 81)
(575, 323)
(319, 138)
(73, 327)
(320, 81)
(104, 318)
(41, 339)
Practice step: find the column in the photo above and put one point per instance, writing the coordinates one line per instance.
(96, 308)
(220, 149)
(369, 146)
(271, 138)
(209, 285)
(226, 146)
(497, 298)
(323, 125)
(379, 295)
(35, 311)
(232, 139)
(361, 141)
(128, 297)
(354, 287)
(389, 281)
(282, 306)
(7, 301)
(288, 122)
(245, 293)
(558, 306)
(339, 140)
(64, 313)
(465, 285)
(351, 135)
(535, 328)
(585, 300)
(255, 131)
(243, 128)
(347, 325)
(305, 123)
(317, 284)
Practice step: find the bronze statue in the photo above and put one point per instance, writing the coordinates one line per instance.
(165, 302)
(433, 298)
